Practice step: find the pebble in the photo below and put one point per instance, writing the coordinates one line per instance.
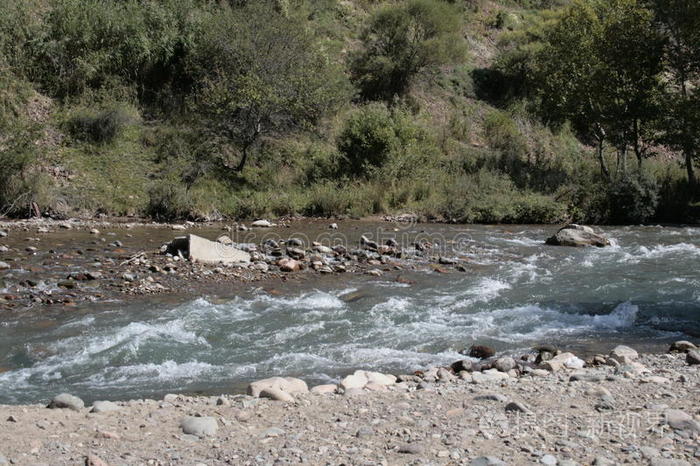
(4, 265)
(549, 460)
(200, 426)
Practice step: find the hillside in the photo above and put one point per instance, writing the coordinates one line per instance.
(455, 110)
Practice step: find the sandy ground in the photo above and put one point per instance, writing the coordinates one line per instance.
(622, 415)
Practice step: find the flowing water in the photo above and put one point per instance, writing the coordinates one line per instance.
(516, 292)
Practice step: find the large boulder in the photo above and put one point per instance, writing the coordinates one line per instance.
(202, 250)
(577, 235)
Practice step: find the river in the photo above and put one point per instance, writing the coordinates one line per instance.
(516, 292)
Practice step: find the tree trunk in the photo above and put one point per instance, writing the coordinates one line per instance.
(601, 159)
(244, 158)
(692, 182)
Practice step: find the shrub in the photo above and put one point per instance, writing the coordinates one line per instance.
(633, 199)
(368, 138)
(403, 40)
(99, 127)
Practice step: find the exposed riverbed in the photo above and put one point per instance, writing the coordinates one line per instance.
(214, 338)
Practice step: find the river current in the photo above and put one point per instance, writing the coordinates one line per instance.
(516, 292)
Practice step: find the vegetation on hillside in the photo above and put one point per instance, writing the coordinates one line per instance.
(457, 110)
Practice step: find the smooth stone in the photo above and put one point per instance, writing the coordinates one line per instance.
(560, 361)
(351, 392)
(276, 394)
(491, 397)
(577, 235)
(586, 377)
(658, 461)
(325, 389)
(290, 385)
(488, 376)
(504, 364)
(4, 265)
(549, 460)
(515, 406)
(682, 346)
(104, 407)
(94, 460)
(353, 381)
(624, 354)
(481, 352)
(199, 426)
(261, 224)
(410, 449)
(66, 400)
(272, 432)
(693, 357)
(680, 420)
(486, 461)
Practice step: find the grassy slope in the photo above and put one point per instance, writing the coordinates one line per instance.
(457, 178)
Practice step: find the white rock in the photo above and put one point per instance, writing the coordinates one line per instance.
(276, 394)
(104, 407)
(680, 420)
(261, 224)
(623, 354)
(354, 381)
(200, 426)
(377, 377)
(290, 385)
(324, 389)
(65, 400)
(558, 362)
(488, 376)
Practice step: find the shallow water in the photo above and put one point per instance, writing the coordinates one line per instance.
(643, 291)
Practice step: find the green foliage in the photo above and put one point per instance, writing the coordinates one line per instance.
(95, 43)
(263, 75)
(633, 200)
(99, 127)
(370, 137)
(403, 40)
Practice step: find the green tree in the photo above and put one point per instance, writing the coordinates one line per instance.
(679, 22)
(600, 68)
(403, 40)
(263, 74)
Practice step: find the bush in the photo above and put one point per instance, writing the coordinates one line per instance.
(372, 136)
(401, 41)
(633, 199)
(99, 127)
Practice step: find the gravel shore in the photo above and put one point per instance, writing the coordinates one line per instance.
(637, 410)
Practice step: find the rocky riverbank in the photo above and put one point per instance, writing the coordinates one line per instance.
(69, 262)
(547, 407)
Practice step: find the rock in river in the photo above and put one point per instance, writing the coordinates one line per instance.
(577, 235)
(481, 352)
